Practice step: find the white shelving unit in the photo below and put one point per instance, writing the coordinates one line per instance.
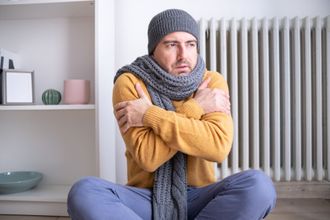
(58, 39)
(47, 107)
(43, 200)
(21, 2)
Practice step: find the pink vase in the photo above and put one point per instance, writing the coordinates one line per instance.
(76, 91)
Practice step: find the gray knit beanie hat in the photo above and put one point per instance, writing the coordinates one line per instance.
(169, 21)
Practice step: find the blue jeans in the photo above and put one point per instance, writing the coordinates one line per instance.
(248, 195)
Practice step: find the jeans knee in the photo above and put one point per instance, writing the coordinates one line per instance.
(81, 185)
(78, 189)
(262, 189)
(85, 194)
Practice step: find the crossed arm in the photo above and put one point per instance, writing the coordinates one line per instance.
(200, 127)
(130, 113)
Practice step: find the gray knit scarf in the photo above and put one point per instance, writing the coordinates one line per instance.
(170, 182)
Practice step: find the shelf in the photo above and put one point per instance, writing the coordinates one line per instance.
(58, 43)
(20, 2)
(45, 9)
(38, 201)
(47, 107)
(42, 193)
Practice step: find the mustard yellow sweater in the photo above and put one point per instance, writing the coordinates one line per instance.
(205, 138)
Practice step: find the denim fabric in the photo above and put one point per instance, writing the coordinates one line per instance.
(248, 195)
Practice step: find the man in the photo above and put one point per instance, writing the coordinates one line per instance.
(174, 117)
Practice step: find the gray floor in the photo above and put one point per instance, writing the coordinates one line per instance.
(301, 209)
(286, 209)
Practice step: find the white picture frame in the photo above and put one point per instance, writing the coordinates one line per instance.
(17, 87)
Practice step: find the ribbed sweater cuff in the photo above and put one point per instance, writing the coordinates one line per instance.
(153, 116)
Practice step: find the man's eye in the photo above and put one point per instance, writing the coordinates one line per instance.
(193, 44)
(171, 44)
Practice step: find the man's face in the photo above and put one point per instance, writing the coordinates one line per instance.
(177, 53)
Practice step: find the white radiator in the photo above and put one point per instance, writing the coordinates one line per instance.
(278, 72)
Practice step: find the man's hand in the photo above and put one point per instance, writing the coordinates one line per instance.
(212, 100)
(130, 113)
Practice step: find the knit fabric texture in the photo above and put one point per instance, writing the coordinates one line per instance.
(170, 182)
(170, 21)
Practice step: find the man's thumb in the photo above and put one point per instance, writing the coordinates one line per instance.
(205, 83)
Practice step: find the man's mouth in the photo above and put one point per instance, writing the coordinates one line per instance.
(182, 66)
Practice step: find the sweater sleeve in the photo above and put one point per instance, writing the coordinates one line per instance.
(209, 137)
(190, 109)
(147, 149)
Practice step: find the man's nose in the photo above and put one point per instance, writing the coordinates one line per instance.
(182, 52)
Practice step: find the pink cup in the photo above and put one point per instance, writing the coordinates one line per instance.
(76, 91)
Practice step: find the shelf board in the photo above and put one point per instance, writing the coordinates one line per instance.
(47, 107)
(33, 9)
(42, 193)
(42, 200)
(20, 2)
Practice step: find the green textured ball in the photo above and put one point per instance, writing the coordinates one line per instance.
(51, 97)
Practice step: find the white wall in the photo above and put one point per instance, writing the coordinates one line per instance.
(132, 18)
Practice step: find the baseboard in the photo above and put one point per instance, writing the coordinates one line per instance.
(303, 189)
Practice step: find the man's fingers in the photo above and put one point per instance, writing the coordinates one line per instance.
(130, 113)
(121, 121)
(228, 109)
(224, 93)
(120, 116)
(120, 110)
(141, 94)
(120, 105)
(123, 128)
(205, 83)
(140, 91)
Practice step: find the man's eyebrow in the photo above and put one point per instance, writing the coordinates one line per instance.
(175, 41)
(170, 41)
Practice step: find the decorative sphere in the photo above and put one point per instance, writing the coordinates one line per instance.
(51, 97)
